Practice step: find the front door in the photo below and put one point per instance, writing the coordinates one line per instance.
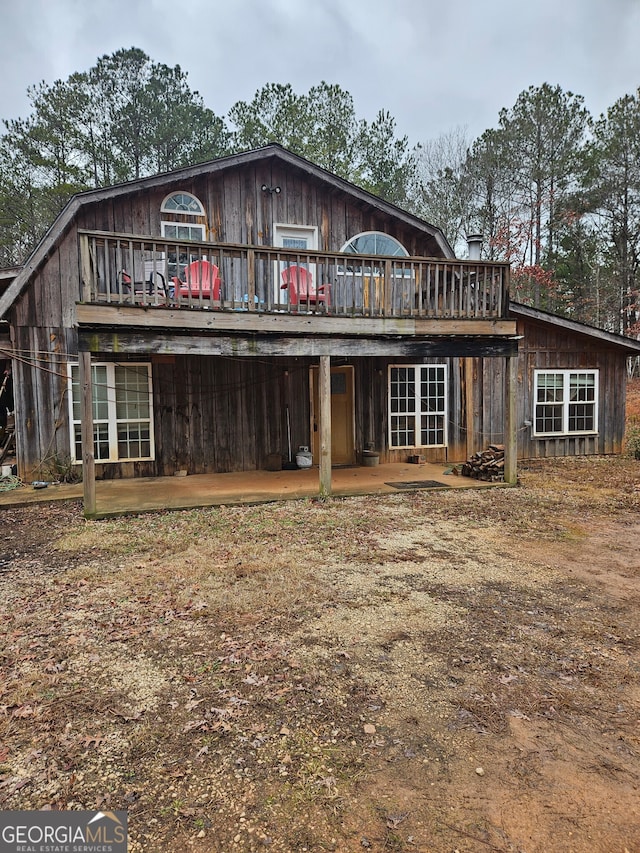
(342, 416)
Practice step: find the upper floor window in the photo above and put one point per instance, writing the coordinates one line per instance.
(182, 203)
(363, 278)
(187, 217)
(183, 231)
(374, 243)
(566, 402)
(185, 221)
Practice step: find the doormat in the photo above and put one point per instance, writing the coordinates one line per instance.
(419, 484)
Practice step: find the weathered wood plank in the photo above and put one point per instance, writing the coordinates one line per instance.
(134, 342)
(251, 321)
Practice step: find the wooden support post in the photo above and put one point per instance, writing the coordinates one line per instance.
(88, 458)
(469, 405)
(324, 397)
(510, 425)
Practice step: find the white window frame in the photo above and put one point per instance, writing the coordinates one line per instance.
(365, 277)
(415, 411)
(400, 252)
(164, 208)
(282, 231)
(111, 421)
(192, 232)
(191, 227)
(179, 258)
(565, 402)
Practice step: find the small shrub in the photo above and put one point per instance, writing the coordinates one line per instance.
(632, 439)
(59, 469)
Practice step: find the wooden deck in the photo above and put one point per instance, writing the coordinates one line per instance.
(132, 270)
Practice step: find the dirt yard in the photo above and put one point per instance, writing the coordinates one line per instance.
(437, 671)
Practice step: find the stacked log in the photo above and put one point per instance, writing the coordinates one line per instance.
(486, 465)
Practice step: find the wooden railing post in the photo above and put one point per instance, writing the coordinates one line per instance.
(251, 279)
(87, 284)
(387, 308)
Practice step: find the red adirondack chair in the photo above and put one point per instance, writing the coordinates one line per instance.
(302, 291)
(201, 277)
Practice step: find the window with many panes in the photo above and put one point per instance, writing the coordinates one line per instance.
(183, 208)
(417, 405)
(182, 203)
(566, 402)
(374, 243)
(122, 412)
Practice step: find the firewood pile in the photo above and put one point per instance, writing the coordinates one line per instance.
(486, 465)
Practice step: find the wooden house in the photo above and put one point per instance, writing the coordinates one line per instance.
(221, 316)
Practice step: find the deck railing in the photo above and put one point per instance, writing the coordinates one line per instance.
(120, 269)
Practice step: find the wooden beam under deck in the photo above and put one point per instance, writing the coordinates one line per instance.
(132, 342)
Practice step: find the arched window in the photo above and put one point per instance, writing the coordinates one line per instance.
(363, 279)
(182, 203)
(183, 218)
(374, 243)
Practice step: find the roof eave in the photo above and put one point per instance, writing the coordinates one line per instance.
(629, 344)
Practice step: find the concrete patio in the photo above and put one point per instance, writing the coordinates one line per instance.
(150, 494)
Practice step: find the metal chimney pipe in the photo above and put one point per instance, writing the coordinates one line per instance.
(474, 243)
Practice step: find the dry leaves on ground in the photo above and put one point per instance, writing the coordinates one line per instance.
(428, 671)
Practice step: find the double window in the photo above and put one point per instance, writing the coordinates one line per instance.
(566, 402)
(122, 412)
(417, 405)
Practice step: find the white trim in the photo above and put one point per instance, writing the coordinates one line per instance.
(111, 420)
(287, 229)
(282, 231)
(417, 412)
(179, 257)
(566, 402)
(376, 234)
(190, 225)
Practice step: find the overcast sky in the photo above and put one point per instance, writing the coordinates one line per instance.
(435, 66)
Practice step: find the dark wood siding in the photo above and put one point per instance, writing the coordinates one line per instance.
(548, 347)
(238, 211)
(220, 414)
(215, 414)
(40, 393)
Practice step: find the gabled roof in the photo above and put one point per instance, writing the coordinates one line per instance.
(631, 346)
(272, 151)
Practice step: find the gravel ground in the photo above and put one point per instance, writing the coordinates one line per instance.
(434, 671)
